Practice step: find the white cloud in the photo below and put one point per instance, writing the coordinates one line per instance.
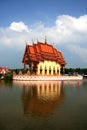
(79, 51)
(67, 22)
(19, 27)
(71, 29)
(67, 31)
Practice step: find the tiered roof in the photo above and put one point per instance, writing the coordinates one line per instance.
(42, 51)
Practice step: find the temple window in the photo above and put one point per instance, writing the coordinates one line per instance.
(40, 71)
(53, 70)
(45, 71)
(49, 69)
(57, 71)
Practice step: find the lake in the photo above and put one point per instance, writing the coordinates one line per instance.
(43, 105)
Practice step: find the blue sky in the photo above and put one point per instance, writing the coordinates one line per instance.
(63, 22)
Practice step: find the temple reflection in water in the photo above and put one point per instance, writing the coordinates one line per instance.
(42, 97)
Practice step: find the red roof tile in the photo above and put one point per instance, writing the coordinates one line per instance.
(31, 49)
(37, 48)
(46, 48)
(41, 51)
(4, 70)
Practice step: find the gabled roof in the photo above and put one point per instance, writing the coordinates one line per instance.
(4, 70)
(42, 51)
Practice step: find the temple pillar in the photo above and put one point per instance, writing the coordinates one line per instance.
(30, 65)
(59, 71)
(47, 71)
(62, 70)
(24, 66)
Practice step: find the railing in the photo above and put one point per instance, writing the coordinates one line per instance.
(29, 78)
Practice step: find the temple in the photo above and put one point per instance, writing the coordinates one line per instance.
(43, 59)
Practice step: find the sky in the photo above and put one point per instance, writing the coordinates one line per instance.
(63, 22)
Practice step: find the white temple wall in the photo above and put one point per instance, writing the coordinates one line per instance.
(48, 68)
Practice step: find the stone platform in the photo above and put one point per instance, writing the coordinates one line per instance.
(41, 78)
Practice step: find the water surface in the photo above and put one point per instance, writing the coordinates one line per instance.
(43, 105)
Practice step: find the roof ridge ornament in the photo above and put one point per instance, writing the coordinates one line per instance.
(32, 41)
(45, 40)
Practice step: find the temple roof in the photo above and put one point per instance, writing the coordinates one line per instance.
(42, 51)
(4, 70)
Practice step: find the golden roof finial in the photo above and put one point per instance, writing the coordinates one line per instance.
(45, 40)
(32, 41)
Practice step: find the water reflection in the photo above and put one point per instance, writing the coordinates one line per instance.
(72, 83)
(6, 83)
(41, 97)
(54, 105)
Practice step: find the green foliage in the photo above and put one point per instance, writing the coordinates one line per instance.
(0, 75)
(76, 70)
(8, 76)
